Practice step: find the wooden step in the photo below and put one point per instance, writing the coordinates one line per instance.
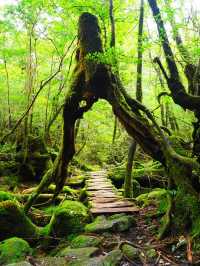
(114, 210)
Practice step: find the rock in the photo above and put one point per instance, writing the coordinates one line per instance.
(55, 261)
(131, 252)
(14, 250)
(114, 223)
(113, 258)
(13, 222)
(73, 254)
(76, 181)
(69, 217)
(21, 263)
(82, 241)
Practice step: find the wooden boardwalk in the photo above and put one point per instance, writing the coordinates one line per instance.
(103, 196)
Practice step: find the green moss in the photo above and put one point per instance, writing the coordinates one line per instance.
(85, 252)
(76, 181)
(154, 196)
(187, 210)
(131, 252)
(4, 195)
(14, 250)
(13, 222)
(114, 223)
(68, 217)
(82, 241)
(66, 189)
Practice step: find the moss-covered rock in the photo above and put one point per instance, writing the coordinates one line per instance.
(114, 223)
(77, 253)
(82, 241)
(13, 222)
(68, 217)
(21, 263)
(14, 250)
(76, 181)
(49, 261)
(130, 252)
(153, 197)
(113, 258)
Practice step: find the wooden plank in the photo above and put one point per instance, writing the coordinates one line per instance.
(114, 210)
(115, 204)
(100, 190)
(100, 187)
(99, 182)
(102, 194)
(103, 200)
(105, 196)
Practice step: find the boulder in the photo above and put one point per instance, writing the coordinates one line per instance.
(14, 222)
(77, 253)
(82, 241)
(14, 250)
(69, 217)
(114, 223)
(113, 258)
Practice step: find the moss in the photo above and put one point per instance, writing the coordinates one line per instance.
(68, 217)
(14, 250)
(4, 195)
(82, 241)
(8, 168)
(112, 258)
(85, 252)
(151, 253)
(76, 181)
(152, 197)
(13, 222)
(187, 210)
(114, 223)
(66, 189)
(131, 252)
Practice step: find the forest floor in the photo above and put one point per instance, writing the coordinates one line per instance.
(141, 236)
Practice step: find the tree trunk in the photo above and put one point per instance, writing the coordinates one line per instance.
(112, 45)
(128, 184)
(8, 93)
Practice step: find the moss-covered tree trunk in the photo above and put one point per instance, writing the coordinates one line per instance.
(94, 80)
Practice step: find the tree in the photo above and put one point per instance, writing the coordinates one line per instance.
(94, 80)
(128, 183)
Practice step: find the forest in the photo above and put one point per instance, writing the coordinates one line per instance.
(99, 132)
